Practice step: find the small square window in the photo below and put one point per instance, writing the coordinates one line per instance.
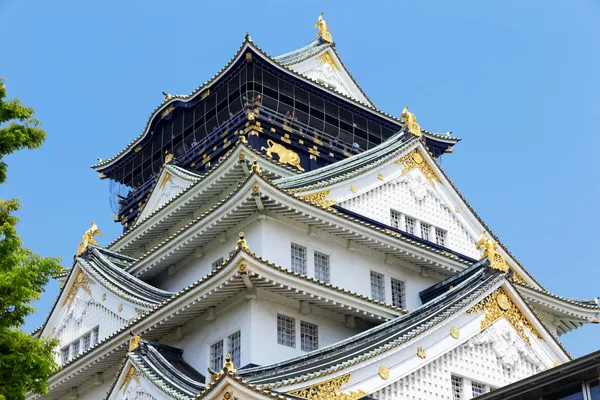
(440, 236)
(478, 388)
(216, 356)
(87, 341)
(95, 334)
(216, 264)
(322, 267)
(64, 354)
(298, 259)
(234, 347)
(398, 293)
(377, 286)
(410, 223)
(457, 388)
(286, 330)
(309, 336)
(395, 219)
(425, 230)
(75, 348)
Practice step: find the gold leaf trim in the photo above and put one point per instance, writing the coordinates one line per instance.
(320, 199)
(329, 390)
(414, 160)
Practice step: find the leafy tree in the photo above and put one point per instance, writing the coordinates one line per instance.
(26, 362)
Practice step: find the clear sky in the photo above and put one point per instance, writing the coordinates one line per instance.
(517, 80)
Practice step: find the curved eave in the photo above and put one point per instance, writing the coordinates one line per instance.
(247, 44)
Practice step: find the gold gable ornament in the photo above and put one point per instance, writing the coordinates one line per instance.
(88, 238)
(490, 250)
(414, 160)
(319, 199)
(409, 120)
(329, 390)
(321, 25)
(285, 156)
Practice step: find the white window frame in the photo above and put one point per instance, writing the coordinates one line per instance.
(444, 236)
(395, 219)
(235, 352)
(322, 270)
(298, 254)
(401, 285)
(215, 361)
(309, 341)
(377, 288)
(290, 340)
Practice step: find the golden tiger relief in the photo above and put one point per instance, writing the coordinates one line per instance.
(285, 156)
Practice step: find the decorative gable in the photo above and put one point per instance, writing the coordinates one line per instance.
(327, 69)
(171, 181)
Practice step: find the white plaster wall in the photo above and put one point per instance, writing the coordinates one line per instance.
(349, 269)
(413, 195)
(199, 268)
(90, 391)
(477, 363)
(256, 318)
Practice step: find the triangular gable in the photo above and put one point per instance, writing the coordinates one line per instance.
(171, 181)
(326, 68)
(491, 330)
(414, 185)
(132, 383)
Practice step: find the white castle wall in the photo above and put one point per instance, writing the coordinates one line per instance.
(413, 195)
(257, 321)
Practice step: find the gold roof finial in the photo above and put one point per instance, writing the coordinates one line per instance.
(490, 250)
(167, 96)
(409, 120)
(321, 25)
(241, 244)
(134, 342)
(168, 158)
(88, 238)
(228, 364)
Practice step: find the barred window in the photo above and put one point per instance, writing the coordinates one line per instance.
(95, 334)
(75, 348)
(377, 286)
(478, 388)
(457, 388)
(286, 330)
(298, 259)
(216, 356)
(87, 341)
(440, 236)
(64, 354)
(395, 219)
(322, 267)
(309, 336)
(216, 264)
(425, 230)
(398, 293)
(410, 224)
(234, 347)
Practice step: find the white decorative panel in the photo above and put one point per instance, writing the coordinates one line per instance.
(495, 357)
(413, 195)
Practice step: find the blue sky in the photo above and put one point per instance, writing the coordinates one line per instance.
(518, 81)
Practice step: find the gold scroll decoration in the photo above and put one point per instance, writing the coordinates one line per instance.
(326, 58)
(81, 281)
(414, 160)
(131, 374)
(409, 120)
(285, 156)
(490, 250)
(88, 238)
(320, 199)
(329, 390)
(498, 305)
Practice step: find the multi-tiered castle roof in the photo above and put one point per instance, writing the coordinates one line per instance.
(362, 271)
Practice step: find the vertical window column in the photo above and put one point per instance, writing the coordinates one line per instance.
(322, 269)
(398, 293)
(377, 286)
(298, 259)
(234, 348)
(286, 330)
(309, 336)
(216, 356)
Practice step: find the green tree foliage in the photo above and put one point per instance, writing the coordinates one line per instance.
(26, 362)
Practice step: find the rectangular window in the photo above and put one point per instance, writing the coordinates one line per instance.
(75, 348)
(322, 267)
(298, 259)
(64, 354)
(286, 330)
(457, 388)
(377, 286)
(425, 230)
(398, 293)
(95, 334)
(234, 348)
(440, 236)
(410, 224)
(216, 264)
(478, 388)
(87, 341)
(309, 336)
(395, 219)
(216, 356)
